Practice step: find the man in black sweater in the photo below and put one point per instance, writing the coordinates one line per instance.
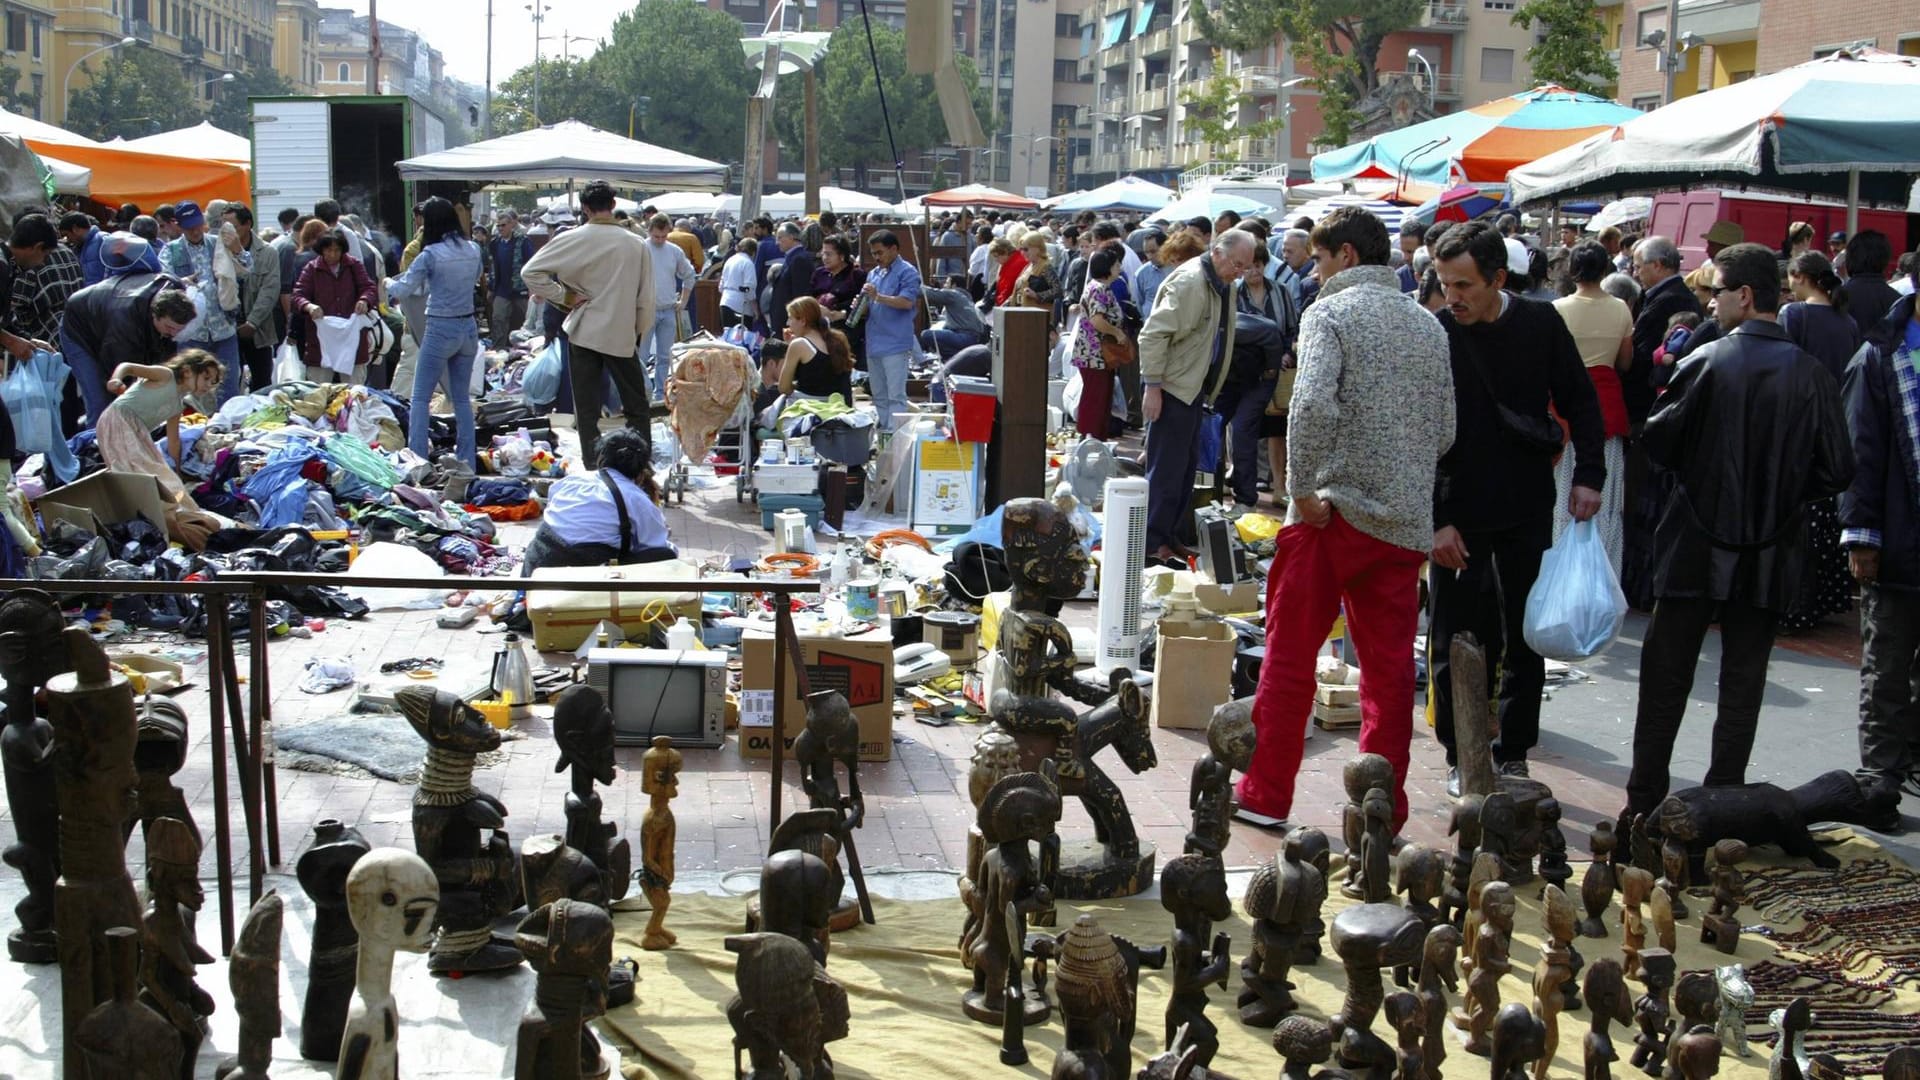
(1493, 498)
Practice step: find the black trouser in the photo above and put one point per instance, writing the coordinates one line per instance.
(547, 549)
(1889, 681)
(1489, 600)
(589, 370)
(1667, 660)
(259, 361)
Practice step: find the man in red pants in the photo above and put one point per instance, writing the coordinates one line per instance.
(1372, 412)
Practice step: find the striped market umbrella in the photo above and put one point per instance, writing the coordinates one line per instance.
(1477, 145)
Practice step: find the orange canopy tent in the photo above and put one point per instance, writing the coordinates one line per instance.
(130, 176)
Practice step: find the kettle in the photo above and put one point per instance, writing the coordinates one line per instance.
(513, 674)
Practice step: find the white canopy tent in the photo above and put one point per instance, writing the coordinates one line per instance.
(571, 201)
(676, 203)
(12, 123)
(202, 140)
(68, 178)
(568, 150)
(847, 201)
(773, 203)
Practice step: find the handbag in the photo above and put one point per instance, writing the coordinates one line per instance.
(1116, 352)
(1536, 434)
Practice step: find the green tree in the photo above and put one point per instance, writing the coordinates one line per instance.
(569, 90)
(687, 58)
(1213, 108)
(137, 92)
(1572, 48)
(231, 111)
(1339, 41)
(24, 102)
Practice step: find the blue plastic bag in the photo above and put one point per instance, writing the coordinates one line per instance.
(541, 383)
(1576, 606)
(1210, 443)
(32, 393)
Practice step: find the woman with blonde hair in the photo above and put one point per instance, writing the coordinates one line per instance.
(1038, 285)
(1008, 263)
(819, 359)
(154, 396)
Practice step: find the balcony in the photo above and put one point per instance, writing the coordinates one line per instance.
(140, 30)
(1157, 42)
(1085, 68)
(192, 47)
(1108, 162)
(1445, 87)
(1152, 100)
(1120, 55)
(1082, 164)
(1259, 80)
(1445, 15)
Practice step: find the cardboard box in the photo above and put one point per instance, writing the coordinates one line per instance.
(1241, 598)
(562, 619)
(861, 667)
(1193, 672)
(107, 498)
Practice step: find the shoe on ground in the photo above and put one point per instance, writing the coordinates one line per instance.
(1514, 768)
(1453, 781)
(1910, 784)
(1259, 820)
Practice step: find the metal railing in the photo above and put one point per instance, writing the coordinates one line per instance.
(1446, 86)
(1451, 14)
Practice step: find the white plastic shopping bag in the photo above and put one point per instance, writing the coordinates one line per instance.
(1576, 606)
(288, 365)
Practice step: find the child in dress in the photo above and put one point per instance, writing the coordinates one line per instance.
(150, 397)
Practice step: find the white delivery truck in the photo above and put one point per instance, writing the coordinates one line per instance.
(310, 148)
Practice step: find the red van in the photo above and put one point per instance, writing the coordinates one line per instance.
(1686, 216)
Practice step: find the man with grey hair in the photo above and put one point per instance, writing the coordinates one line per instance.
(1183, 349)
(1296, 268)
(1664, 294)
(1622, 288)
(793, 277)
(507, 252)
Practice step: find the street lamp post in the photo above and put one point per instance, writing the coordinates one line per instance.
(66, 83)
(539, 10)
(1433, 80)
(1033, 141)
(638, 108)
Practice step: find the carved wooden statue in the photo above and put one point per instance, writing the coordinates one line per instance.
(1553, 973)
(1652, 1013)
(1317, 852)
(1608, 1003)
(1486, 870)
(569, 945)
(1673, 871)
(995, 755)
(797, 891)
(660, 781)
(1553, 844)
(1436, 981)
(1696, 1003)
(1596, 887)
(1047, 563)
(1304, 1042)
(158, 754)
(323, 870)
(1720, 926)
(1736, 997)
(91, 711)
(1519, 1041)
(1696, 1056)
(583, 729)
(122, 1037)
(1660, 913)
(1230, 741)
(1500, 832)
(1635, 887)
(1194, 889)
(1096, 993)
(1528, 833)
(459, 831)
(832, 735)
(1559, 927)
(1492, 960)
(1420, 878)
(32, 651)
(392, 897)
(1367, 938)
(1361, 776)
(253, 974)
(1464, 827)
(1643, 846)
(551, 871)
(1790, 1024)
(1407, 1016)
(169, 950)
(1283, 900)
(787, 1006)
(1903, 1063)
(1020, 809)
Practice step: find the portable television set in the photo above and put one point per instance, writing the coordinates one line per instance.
(682, 695)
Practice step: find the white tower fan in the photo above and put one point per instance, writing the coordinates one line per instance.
(1124, 546)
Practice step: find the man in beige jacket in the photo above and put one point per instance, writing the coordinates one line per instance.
(603, 273)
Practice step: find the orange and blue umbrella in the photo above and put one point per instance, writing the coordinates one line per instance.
(1477, 145)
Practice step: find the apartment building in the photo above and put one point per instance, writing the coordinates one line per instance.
(296, 43)
(1727, 41)
(408, 65)
(209, 38)
(29, 43)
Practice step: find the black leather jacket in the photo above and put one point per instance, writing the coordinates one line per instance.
(1881, 497)
(1753, 428)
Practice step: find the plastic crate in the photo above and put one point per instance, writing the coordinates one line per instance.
(812, 505)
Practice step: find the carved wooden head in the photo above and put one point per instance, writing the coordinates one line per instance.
(392, 896)
(446, 722)
(583, 729)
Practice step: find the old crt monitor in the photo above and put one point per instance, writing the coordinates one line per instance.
(682, 695)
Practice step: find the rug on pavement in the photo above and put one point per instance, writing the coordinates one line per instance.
(379, 744)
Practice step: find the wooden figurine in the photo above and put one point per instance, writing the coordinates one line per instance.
(995, 756)
(660, 781)
(1790, 1024)
(1673, 871)
(1608, 1003)
(123, 1037)
(1368, 938)
(1500, 832)
(1491, 961)
(1519, 1041)
(1652, 1013)
(1230, 741)
(583, 729)
(1486, 870)
(1903, 1063)
(1553, 973)
(1419, 877)
(159, 752)
(1597, 885)
(1193, 888)
(1096, 993)
(1660, 913)
(1464, 827)
(1558, 924)
(1407, 1016)
(32, 651)
(253, 974)
(569, 945)
(1018, 810)
(1360, 776)
(392, 898)
(1644, 847)
(1767, 814)
(1553, 844)
(832, 735)
(1303, 1042)
(1048, 563)
(1696, 1003)
(323, 870)
(1317, 852)
(797, 894)
(91, 712)
(1635, 887)
(1529, 829)
(787, 1007)
(459, 831)
(1437, 979)
(169, 950)
(1696, 1056)
(1283, 901)
(550, 871)
(1736, 997)
(1720, 926)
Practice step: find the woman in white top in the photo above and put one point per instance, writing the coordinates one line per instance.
(738, 304)
(1602, 327)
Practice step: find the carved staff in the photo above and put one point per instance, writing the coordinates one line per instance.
(1013, 1016)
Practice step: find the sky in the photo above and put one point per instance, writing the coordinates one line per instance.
(462, 37)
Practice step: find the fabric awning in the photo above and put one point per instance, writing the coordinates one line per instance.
(1115, 31)
(569, 150)
(1143, 18)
